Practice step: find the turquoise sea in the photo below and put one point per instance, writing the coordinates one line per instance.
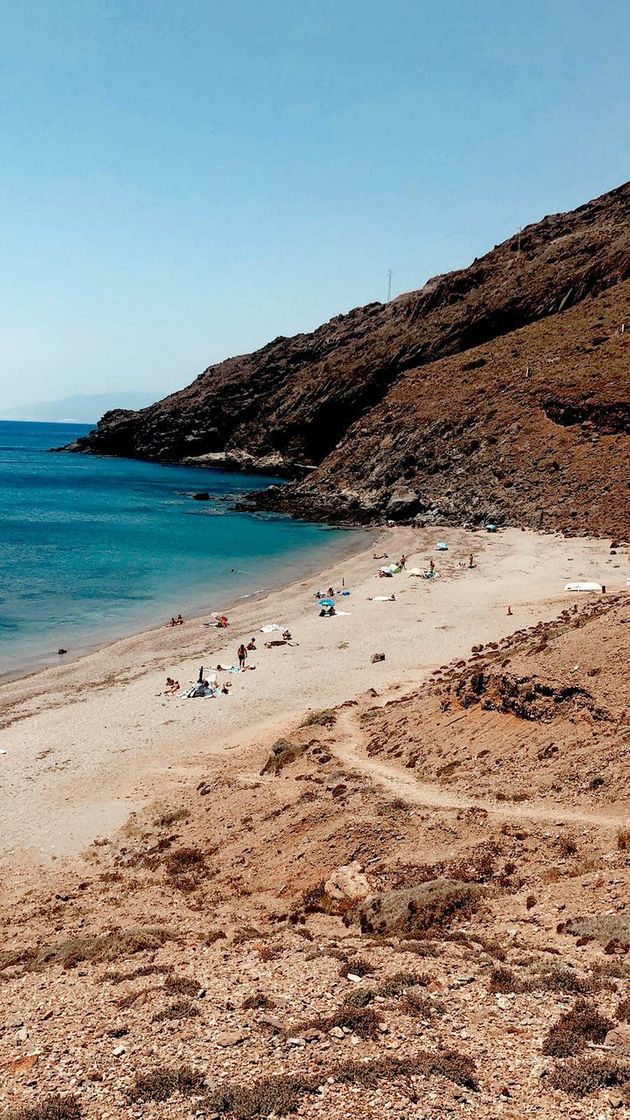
(95, 548)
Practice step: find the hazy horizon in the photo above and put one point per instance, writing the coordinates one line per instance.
(180, 187)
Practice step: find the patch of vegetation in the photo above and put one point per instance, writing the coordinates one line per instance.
(214, 935)
(185, 868)
(282, 754)
(171, 816)
(623, 839)
(504, 980)
(282, 1094)
(181, 985)
(421, 909)
(401, 981)
(623, 1011)
(582, 1076)
(99, 949)
(116, 977)
(358, 966)
(51, 1108)
(325, 718)
(548, 977)
(181, 1009)
(257, 1002)
(160, 1084)
(569, 1035)
(415, 1003)
(604, 928)
(361, 1021)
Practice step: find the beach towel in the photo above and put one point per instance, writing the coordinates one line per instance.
(383, 599)
(337, 613)
(269, 628)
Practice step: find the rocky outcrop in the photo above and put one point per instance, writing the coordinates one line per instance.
(479, 395)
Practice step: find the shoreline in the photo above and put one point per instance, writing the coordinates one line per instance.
(32, 666)
(91, 741)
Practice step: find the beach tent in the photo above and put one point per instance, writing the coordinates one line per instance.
(491, 527)
(442, 546)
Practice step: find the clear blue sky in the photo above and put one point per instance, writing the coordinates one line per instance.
(185, 181)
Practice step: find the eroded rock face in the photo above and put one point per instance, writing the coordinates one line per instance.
(496, 391)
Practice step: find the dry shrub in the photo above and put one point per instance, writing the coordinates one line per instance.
(623, 1011)
(504, 980)
(586, 1075)
(116, 977)
(603, 928)
(279, 1094)
(567, 846)
(360, 997)
(569, 1035)
(417, 910)
(325, 718)
(170, 816)
(160, 1084)
(358, 966)
(282, 754)
(181, 985)
(618, 970)
(181, 1009)
(185, 868)
(214, 935)
(99, 949)
(400, 981)
(258, 1002)
(415, 1003)
(623, 839)
(51, 1108)
(282, 1094)
(420, 948)
(548, 977)
(362, 1021)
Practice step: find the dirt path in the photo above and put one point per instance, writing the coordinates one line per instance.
(348, 749)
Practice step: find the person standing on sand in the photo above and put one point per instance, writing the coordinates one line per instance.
(242, 656)
(471, 561)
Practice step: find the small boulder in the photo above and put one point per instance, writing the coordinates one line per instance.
(347, 883)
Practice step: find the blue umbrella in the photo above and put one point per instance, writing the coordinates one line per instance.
(326, 602)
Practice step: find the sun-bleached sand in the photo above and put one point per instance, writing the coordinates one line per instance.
(88, 742)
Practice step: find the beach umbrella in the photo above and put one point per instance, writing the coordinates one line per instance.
(326, 602)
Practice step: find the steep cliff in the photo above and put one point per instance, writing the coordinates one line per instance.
(495, 390)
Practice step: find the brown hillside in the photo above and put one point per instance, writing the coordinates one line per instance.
(311, 399)
(530, 428)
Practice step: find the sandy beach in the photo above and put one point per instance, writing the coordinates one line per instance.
(85, 744)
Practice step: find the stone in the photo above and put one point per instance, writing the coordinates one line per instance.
(347, 883)
(336, 1032)
(229, 1038)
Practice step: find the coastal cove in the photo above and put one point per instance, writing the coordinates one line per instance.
(93, 549)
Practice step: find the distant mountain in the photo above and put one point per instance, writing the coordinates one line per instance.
(82, 408)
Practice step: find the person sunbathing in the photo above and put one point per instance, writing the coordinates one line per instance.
(251, 644)
(171, 687)
(179, 620)
(286, 634)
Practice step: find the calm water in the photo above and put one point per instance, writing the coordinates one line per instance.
(96, 548)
